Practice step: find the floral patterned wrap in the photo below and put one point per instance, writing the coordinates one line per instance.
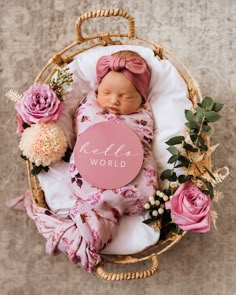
(130, 198)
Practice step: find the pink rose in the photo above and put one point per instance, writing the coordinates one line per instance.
(39, 105)
(190, 208)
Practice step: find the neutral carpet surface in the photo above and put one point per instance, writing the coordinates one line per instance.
(202, 34)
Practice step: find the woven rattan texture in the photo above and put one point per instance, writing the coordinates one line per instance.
(202, 34)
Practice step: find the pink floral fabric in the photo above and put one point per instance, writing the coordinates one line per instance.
(78, 236)
(131, 198)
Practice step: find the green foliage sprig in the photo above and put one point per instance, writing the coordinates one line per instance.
(182, 148)
(63, 77)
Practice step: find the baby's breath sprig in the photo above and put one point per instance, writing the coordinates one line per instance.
(63, 77)
(156, 206)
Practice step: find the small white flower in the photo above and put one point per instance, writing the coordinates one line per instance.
(153, 202)
(147, 206)
(170, 197)
(161, 195)
(165, 198)
(157, 202)
(160, 210)
(155, 213)
(151, 199)
(157, 193)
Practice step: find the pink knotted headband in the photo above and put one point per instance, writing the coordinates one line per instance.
(134, 68)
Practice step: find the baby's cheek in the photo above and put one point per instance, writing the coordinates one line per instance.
(100, 101)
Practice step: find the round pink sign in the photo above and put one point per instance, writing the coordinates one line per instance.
(108, 155)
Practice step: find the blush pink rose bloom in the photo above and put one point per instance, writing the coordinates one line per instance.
(39, 104)
(190, 208)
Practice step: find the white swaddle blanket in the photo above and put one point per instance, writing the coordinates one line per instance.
(168, 96)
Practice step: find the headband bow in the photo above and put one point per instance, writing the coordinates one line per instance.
(134, 68)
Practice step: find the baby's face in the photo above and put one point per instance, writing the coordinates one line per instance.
(117, 95)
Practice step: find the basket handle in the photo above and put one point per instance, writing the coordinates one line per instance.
(113, 276)
(103, 13)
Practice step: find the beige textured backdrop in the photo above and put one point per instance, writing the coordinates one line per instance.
(203, 34)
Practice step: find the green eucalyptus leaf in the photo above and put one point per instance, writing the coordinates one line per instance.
(190, 148)
(166, 174)
(173, 150)
(191, 125)
(201, 144)
(185, 161)
(193, 137)
(206, 128)
(200, 114)
(217, 107)
(175, 140)
(212, 116)
(207, 103)
(173, 159)
(189, 116)
(183, 178)
(173, 177)
(199, 104)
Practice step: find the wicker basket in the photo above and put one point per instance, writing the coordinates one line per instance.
(63, 58)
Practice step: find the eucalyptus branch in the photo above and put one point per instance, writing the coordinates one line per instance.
(197, 124)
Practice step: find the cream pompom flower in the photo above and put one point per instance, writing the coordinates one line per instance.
(43, 143)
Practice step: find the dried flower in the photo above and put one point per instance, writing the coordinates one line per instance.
(43, 144)
(214, 217)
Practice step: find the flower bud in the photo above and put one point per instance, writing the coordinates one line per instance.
(155, 213)
(161, 195)
(147, 206)
(151, 199)
(160, 210)
(165, 198)
(157, 203)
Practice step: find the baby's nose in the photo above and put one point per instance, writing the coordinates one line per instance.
(115, 100)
